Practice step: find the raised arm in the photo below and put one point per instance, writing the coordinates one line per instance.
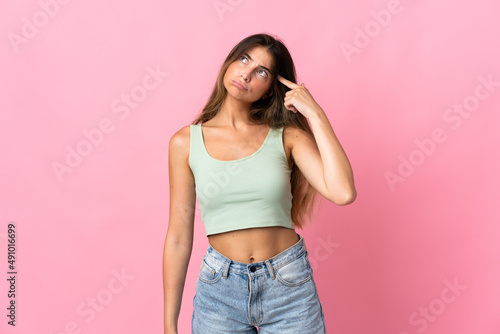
(179, 238)
(320, 157)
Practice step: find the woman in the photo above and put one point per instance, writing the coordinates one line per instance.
(255, 165)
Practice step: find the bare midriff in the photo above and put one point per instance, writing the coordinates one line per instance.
(253, 244)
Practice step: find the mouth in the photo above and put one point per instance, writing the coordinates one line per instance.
(239, 85)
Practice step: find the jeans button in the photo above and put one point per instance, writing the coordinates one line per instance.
(253, 269)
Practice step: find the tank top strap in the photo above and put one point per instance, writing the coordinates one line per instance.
(278, 136)
(276, 142)
(195, 144)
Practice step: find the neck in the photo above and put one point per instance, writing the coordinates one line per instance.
(234, 112)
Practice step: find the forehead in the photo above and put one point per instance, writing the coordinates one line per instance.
(261, 56)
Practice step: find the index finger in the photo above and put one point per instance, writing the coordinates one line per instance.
(287, 83)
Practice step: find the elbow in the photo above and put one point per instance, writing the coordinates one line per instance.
(346, 198)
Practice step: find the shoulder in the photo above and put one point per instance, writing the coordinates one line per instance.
(179, 142)
(293, 134)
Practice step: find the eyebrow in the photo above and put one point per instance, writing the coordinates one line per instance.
(247, 55)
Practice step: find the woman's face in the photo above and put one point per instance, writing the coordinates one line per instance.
(252, 71)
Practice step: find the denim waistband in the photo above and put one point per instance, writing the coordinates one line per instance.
(256, 268)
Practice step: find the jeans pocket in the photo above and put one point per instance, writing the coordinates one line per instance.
(295, 272)
(209, 272)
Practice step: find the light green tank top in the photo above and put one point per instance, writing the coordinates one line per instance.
(254, 191)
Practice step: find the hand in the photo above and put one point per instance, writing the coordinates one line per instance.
(298, 99)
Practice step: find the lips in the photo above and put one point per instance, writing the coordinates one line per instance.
(239, 85)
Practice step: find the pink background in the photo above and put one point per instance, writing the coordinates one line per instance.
(392, 90)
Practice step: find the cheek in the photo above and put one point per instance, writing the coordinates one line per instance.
(231, 70)
(264, 86)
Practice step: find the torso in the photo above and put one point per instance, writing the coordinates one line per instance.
(253, 244)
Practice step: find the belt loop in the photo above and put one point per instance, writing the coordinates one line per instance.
(226, 268)
(303, 242)
(270, 268)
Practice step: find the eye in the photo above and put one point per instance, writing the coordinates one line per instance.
(243, 57)
(263, 73)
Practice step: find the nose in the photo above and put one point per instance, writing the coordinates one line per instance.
(244, 75)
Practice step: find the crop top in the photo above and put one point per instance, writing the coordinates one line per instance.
(254, 191)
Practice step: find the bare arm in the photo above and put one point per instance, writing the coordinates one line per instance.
(320, 157)
(179, 238)
(325, 165)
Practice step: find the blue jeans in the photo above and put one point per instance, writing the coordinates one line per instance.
(277, 295)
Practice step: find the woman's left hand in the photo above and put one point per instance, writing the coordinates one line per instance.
(298, 99)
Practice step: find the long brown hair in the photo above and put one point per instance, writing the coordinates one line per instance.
(270, 111)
